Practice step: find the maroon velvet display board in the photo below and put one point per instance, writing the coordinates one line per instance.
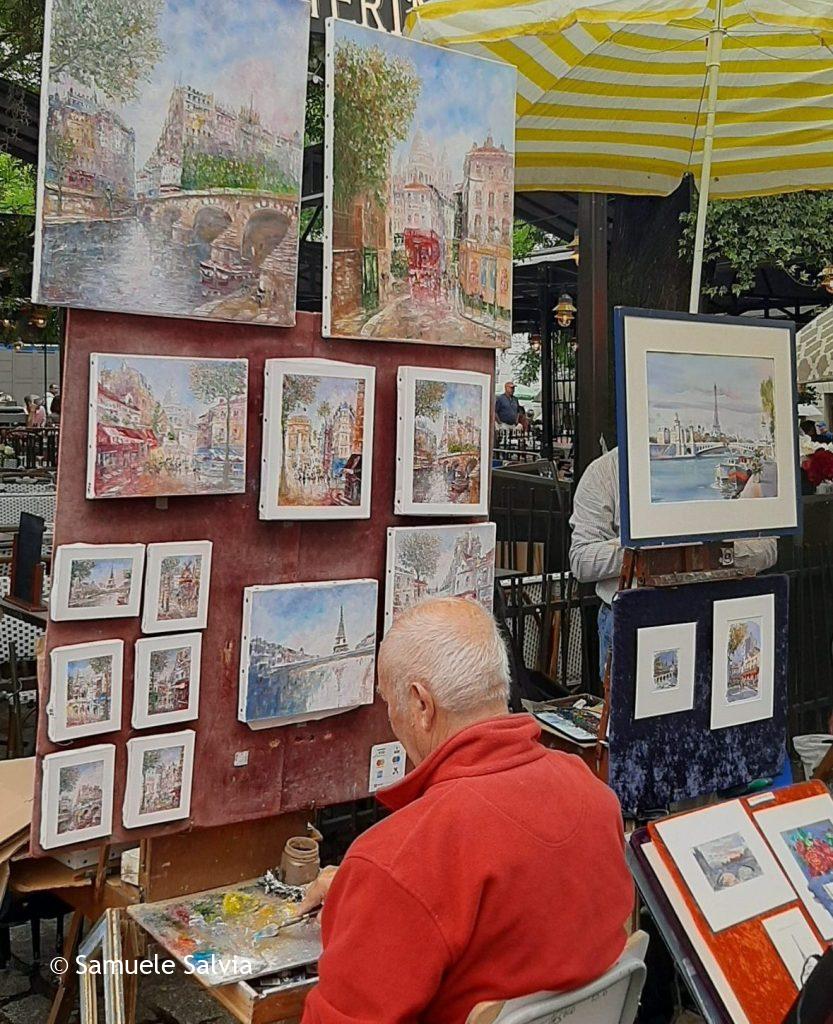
(289, 767)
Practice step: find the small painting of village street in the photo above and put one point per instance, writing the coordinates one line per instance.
(418, 232)
(322, 427)
(712, 427)
(161, 782)
(666, 674)
(100, 582)
(166, 426)
(743, 652)
(169, 682)
(89, 690)
(80, 796)
(179, 587)
(309, 649)
(448, 431)
(439, 561)
(171, 154)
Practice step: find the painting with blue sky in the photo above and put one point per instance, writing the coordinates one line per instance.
(447, 441)
(711, 423)
(171, 157)
(428, 156)
(308, 649)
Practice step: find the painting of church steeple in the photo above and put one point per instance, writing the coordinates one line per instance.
(340, 646)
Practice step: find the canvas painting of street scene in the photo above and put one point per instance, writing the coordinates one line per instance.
(96, 581)
(171, 151)
(89, 689)
(80, 796)
(420, 191)
(166, 680)
(743, 652)
(170, 680)
(85, 689)
(308, 650)
(159, 774)
(165, 425)
(177, 586)
(727, 862)
(100, 582)
(712, 427)
(318, 440)
(439, 561)
(162, 779)
(666, 670)
(812, 847)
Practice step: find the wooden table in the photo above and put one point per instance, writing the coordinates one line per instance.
(34, 618)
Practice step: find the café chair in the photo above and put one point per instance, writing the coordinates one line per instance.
(611, 999)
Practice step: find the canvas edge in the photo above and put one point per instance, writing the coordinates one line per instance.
(329, 142)
(41, 179)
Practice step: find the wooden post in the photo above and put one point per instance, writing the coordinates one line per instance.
(593, 398)
(545, 314)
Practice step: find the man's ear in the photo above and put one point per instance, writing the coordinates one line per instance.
(426, 708)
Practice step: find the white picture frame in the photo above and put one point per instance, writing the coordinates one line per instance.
(85, 690)
(442, 570)
(712, 843)
(136, 812)
(306, 443)
(182, 651)
(778, 824)
(161, 614)
(78, 804)
(109, 589)
(745, 692)
(795, 943)
(665, 661)
(474, 412)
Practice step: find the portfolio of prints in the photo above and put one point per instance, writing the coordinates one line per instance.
(171, 144)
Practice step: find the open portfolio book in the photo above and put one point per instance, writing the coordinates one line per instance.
(750, 884)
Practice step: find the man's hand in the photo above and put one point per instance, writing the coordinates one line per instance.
(317, 892)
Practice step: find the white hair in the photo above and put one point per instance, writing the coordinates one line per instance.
(452, 646)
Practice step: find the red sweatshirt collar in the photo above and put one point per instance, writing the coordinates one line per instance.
(491, 746)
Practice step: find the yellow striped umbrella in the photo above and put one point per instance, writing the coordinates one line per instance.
(627, 96)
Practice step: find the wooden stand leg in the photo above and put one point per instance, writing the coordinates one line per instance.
(62, 1004)
(130, 953)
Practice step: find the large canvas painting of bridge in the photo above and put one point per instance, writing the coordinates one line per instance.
(712, 427)
(171, 150)
(419, 191)
(308, 651)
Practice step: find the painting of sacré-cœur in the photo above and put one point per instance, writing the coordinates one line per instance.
(420, 209)
(309, 650)
(171, 152)
(166, 426)
(712, 427)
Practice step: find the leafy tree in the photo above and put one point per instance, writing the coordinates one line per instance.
(375, 101)
(737, 635)
(298, 389)
(17, 186)
(224, 381)
(106, 44)
(526, 238)
(768, 402)
(420, 553)
(428, 400)
(60, 150)
(21, 40)
(202, 171)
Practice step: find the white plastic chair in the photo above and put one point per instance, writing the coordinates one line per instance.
(611, 999)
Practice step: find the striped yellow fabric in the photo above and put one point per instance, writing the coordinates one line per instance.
(611, 93)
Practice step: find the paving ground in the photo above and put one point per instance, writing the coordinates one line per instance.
(26, 990)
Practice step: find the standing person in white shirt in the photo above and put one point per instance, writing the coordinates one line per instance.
(596, 554)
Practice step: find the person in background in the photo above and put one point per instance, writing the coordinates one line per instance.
(51, 395)
(596, 554)
(808, 427)
(480, 886)
(55, 409)
(823, 433)
(507, 407)
(35, 412)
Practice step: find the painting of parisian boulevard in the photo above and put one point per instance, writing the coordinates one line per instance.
(171, 157)
(422, 191)
(311, 648)
(712, 427)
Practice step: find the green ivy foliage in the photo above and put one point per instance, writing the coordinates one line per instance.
(17, 186)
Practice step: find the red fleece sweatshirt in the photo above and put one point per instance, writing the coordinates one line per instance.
(501, 873)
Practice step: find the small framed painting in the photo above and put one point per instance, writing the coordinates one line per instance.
(159, 774)
(308, 651)
(743, 660)
(166, 425)
(166, 680)
(77, 796)
(728, 868)
(707, 428)
(665, 658)
(439, 561)
(444, 438)
(317, 440)
(176, 586)
(96, 581)
(85, 690)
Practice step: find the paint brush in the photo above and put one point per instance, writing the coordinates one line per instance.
(271, 930)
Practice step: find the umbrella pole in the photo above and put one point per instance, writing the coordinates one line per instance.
(713, 74)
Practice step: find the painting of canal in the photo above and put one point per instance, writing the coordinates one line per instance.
(439, 561)
(80, 796)
(318, 439)
(712, 427)
(419, 191)
(308, 651)
(171, 150)
(165, 425)
(743, 653)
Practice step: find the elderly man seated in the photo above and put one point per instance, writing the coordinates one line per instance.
(502, 870)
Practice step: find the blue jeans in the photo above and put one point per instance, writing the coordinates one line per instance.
(605, 636)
